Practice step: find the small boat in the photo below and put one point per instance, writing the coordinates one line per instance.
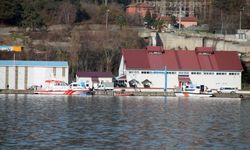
(58, 87)
(191, 94)
(77, 89)
(194, 91)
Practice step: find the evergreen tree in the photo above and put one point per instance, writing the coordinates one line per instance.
(148, 20)
(10, 11)
(121, 21)
(31, 16)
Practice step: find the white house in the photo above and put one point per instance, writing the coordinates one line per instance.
(92, 79)
(20, 75)
(158, 68)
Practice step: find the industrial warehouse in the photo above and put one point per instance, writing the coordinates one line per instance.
(21, 75)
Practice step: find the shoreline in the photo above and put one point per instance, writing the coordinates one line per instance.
(245, 95)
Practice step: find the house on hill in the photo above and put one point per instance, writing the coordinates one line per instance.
(92, 79)
(140, 9)
(188, 21)
(150, 67)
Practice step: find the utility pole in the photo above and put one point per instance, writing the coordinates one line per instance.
(165, 81)
(180, 5)
(241, 9)
(107, 13)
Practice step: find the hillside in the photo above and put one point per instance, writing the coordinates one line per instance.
(85, 47)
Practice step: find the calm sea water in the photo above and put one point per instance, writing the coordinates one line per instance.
(61, 122)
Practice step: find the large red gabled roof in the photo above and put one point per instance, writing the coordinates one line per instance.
(199, 60)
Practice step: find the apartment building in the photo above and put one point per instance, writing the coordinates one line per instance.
(185, 8)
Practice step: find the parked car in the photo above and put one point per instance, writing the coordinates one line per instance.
(105, 86)
(228, 90)
(34, 87)
(119, 83)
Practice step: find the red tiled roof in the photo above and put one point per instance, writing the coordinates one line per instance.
(182, 60)
(94, 74)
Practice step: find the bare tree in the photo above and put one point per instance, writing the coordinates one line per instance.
(67, 13)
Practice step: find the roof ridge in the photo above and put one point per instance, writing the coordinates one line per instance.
(177, 59)
(209, 58)
(199, 63)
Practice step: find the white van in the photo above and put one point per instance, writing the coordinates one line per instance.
(228, 90)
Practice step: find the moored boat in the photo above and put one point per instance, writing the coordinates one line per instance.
(194, 91)
(191, 94)
(58, 87)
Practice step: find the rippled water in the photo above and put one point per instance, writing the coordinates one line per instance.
(61, 122)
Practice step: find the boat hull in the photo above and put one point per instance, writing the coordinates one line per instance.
(189, 94)
(61, 92)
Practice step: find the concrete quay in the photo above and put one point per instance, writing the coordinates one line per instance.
(139, 92)
(5, 91)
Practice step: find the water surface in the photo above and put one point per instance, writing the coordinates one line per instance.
(65, 122)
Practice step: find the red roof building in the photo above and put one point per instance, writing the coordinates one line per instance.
(140, 8)
(199, 65)
(188, 21)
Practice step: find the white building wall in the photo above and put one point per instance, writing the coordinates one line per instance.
(105, 79)
(45, 73)
(217, 81)
(2, 78)
(122, 68)
(40, 74)
(35, 76)
(11, 77)
(158, 80)
(59, 74)
(21, 77)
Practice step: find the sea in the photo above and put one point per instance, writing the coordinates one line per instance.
(45, 122)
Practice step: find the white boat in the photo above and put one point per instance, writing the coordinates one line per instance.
(194, 91)
(58, 87)
(77, 89)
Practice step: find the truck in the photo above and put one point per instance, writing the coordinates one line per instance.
(105, 86)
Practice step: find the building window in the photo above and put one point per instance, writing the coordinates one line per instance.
(134, 71)
(184, 73)
(221, 73)
(171, 72)
(195, 73)
(145, 72)
(233, 73)
(158, 72)
(208, 73)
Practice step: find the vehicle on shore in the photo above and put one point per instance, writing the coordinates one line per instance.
(231, 90)
(58, 87)
(105, 86)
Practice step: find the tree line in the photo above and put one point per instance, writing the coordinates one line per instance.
(41, 13)
(226, 16)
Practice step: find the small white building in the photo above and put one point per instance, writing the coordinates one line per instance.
(21, 75)
(155, 67)
(92, 79)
